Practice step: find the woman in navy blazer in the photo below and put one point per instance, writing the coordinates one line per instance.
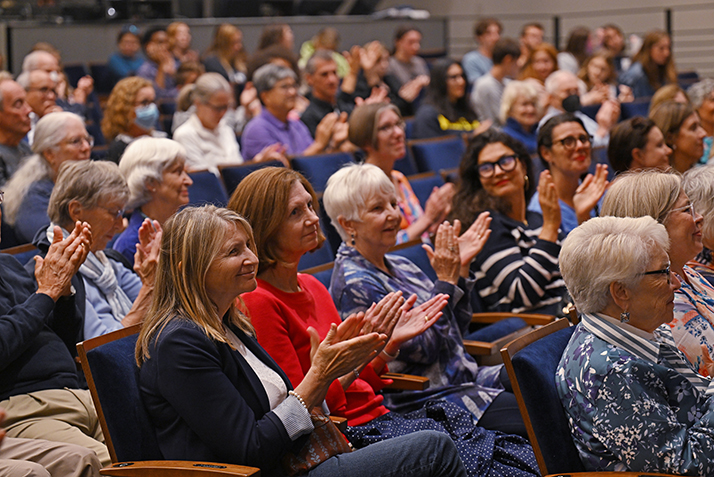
(214, 394)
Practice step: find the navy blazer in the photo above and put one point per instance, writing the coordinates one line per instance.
(207, 403)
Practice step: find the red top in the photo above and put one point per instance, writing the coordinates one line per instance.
(281, 320)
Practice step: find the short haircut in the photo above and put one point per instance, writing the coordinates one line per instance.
(481, 26)
(23, 79)
(698, 183)
(150, 33)
(349, 189)
(531, 25)
(262, 198)
(624, 138)
(545, 132)
(267, 76)
(319, 56)
(363, 123)
(403, 29)
(29, 63)
(700, 91)
(505, 47)
(145, 161)
(552, 82)
(636, 194)
(87, 182)
(607, 250)
(128, 30)
(511, 93)
(669, 117)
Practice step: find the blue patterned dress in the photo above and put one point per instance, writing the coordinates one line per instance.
(438, 353)
(633, 401)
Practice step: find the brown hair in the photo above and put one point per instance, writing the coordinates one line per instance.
(363, 123)
(669, 117)
(607, 56)
(262, 198)
(221, 47)
(657, 75)
(528, 71)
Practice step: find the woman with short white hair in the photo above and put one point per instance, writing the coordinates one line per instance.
(155, 172)
(639, 407)
(698, 183)
(59, 137)
(520, 113)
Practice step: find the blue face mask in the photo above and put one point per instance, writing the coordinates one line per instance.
(146, 116)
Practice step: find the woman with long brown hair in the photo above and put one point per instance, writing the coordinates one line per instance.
(652, 67)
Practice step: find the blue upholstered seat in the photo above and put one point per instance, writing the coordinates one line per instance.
(317, 169)
(233, 175)
(206, 189)
(438, 154)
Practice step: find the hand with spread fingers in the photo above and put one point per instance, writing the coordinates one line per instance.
(414, 321)
(147, 251)
(445, 258)
(472, 241)
(589, 192)
(381, 317)
(54, 272)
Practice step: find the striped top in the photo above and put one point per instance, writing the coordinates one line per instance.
(516, 271)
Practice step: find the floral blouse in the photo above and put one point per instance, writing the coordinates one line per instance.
(693, 323)
(438, 353)
(409, 206)
(633, 402)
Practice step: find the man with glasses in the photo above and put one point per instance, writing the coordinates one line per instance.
(565, 147)
(41, 96)
(277, 90)
(14, 125)
(563, 89)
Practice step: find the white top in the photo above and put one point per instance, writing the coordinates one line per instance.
(205, 148)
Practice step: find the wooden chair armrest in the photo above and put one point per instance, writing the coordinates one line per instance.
(532, 319)
(406, 382)
(177, 468)
(340, 422)
(480, 348)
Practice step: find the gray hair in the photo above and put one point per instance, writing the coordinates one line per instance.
(698, 92)
(29, 63)
(698, 183)
(511, 93)
(49, 132)
(144, 161)
(349, 189)
(87, 182)
(640, 193)
(23, 80)
(552, 82)
(317, 57)
(266, 77)
(604, 250)
(209, 84)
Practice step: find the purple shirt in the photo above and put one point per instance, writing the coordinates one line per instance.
(265, 129)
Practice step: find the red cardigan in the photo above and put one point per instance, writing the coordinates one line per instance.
(281, 320)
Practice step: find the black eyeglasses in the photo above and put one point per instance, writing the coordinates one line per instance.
(664, 271)
(571, 141)
(506, 163)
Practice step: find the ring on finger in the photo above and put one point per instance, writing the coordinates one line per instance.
(426, 318)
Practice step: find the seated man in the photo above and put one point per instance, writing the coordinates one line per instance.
(41, 96)
(160, 65)
(486, 96)
(39, 323)
(563, 85)
(478, 62)
(38, 457)
(14, 126)
(276, 87)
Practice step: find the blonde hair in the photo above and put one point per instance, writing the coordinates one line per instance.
(511, 93)
(640, 193)
(191, 241)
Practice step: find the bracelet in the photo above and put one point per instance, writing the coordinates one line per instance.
(356, 371)
(388, 357)
(299, 398)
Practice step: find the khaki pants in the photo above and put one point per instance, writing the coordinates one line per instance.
(60, 415)
(41, 458)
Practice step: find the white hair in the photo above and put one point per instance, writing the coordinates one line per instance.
(50, 130)
(145, 160)
(29, 63)
(552, 82)
(349, 189)
(511, 93)
(698, 184)
(605, 250)
(209, 84)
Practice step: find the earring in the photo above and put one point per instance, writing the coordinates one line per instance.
(625, 317)
(353, 240)
(527, 180)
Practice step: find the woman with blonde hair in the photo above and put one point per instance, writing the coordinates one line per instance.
(215, 395)
(683, 133)
(520, 114)
(130, 113)
(226, 55)
(652, 67)
(59, 137)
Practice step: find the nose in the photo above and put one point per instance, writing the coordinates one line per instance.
(311, 217)
(667, 149)
(674, 281)
(187, 179)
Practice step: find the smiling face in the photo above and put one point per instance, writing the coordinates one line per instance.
(661, 51)
(543, 65)
(391, 140)
(598, 70)
(570, 162)
(651, 302)
(299, 232)
(685, 232)
(74, 147)
(376, 230)
(689, 142)
(455, 83)
(501, 184)
(173, 189)
(233, 270)
(524, 111)
(655, 154)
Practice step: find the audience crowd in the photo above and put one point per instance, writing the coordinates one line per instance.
(583, 183)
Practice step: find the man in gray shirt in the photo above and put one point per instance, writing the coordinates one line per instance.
(486, 95)
(14, 125)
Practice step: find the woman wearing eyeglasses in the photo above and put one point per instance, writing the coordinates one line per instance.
(661, 196)
(565, 146)
(379, 130)
(517, 270)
